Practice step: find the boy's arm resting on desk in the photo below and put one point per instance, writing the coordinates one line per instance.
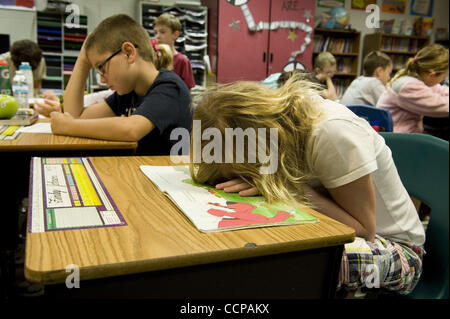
(129, 129)
(97, 110)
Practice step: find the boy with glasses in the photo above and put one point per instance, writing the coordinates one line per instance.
(324, 70)
(147, 103)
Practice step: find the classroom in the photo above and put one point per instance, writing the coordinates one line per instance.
(229, 154)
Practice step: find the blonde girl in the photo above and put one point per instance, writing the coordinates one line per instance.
(163, 56)
(329, 159)
(415, 90)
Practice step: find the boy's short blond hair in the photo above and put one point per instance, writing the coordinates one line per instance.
(113, 31)
(323, 60)
(168, 20)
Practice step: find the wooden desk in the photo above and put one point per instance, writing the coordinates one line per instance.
(15, 159)
(172, 259)
(44, 142)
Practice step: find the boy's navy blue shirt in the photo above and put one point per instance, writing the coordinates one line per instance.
(167, 104)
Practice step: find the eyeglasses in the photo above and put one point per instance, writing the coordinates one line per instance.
(101, 66)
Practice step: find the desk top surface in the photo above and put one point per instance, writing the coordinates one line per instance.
(158, 236)
(51, 142)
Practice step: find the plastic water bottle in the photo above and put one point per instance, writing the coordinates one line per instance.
(20, 89)
(28, 72)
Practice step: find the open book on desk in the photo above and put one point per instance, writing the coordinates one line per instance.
(212, 210)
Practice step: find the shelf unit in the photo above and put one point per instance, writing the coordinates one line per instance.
(443, 42)
(344, 45)
(61, 44)
(399, 47)
(193, 39)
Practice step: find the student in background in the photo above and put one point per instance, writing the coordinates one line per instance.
(146, 105)
(26, 51)
(328, 158)
(367, 89)
(286, 75)
(163, 59)
(415, 92)
(324, 70)
(167, 30)
(164, 56)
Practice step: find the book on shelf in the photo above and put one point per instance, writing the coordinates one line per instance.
(213, 210)
(397, 44)
(341, 85)
(399, 61)
(331, 44)
(344, 64)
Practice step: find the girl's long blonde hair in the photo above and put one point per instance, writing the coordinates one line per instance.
(290, 109)
(430, 58)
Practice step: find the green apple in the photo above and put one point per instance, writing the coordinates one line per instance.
(8, 106)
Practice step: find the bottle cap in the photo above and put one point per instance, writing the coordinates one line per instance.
(25, 66)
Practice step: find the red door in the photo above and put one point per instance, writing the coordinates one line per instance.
(242, 54)
(285, 41)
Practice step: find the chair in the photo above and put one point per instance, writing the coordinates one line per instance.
(379, 119)
(271, 80)
(422, 162)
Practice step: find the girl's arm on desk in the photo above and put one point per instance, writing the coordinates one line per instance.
(352, 204)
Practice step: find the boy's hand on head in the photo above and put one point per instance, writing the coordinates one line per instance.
(82, 56)
(322, 76)
(60, 122)
(237, 185)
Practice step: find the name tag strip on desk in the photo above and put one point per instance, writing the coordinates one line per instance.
(9, 132)
(66, 193)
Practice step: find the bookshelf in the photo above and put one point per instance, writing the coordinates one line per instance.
(399, 47)
(192, 41)
(443, 42)
(344, 45)
(60, 44)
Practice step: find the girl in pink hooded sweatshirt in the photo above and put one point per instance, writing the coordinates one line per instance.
(415, 92)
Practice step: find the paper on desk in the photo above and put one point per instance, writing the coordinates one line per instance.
(66, 193)
(36, 128)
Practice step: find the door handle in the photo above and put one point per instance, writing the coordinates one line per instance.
(264, 57)
(271, 57)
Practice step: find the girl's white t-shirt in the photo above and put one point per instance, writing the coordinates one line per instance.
(344, 147)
